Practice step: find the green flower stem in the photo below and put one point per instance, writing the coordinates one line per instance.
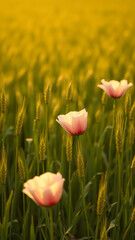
(62, 154)
(119, 189)
(129, 225)
(97, 226)
(112, 132)
(36, 149)
(69, 189)
(3, 200)
(124, 130)
(23, 205)
(102, 120)
(3, 129)
(14, 196)
(17, 142)
(51, 223)
(84, 207)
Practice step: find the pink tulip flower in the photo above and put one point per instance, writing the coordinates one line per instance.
(75, 123)
(114, 88)
(45, 190)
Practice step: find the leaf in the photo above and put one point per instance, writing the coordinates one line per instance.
(25, 225)
(111, 206)
(87, 188)
(2, 237)
(112, 225)
(74, 221)
(32, 233)
(6, 216)
(45, 214)
(9, 131)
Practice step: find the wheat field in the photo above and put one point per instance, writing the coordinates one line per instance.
(53, 54)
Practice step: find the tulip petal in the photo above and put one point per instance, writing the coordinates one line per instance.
(45, 190)
(66, 126)
(53, 194)
(115, 84)
(115, 88)
(108, 89)
(79, 124)
(122, 89)
(70, 125)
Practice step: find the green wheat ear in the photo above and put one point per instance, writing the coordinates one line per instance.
(69, 92)
(102, 195)
(3, 102)
(20, 119)
(42, 146)
(47, 92)
(69, 148)
(3, 167)
(80, 164)
(103, 231)
(127, 104)
(133, 163)
(21, 169)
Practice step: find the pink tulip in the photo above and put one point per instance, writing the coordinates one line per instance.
(45, 190)
(114, 88)
(74, 123)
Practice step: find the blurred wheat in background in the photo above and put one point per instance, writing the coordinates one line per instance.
(53, 54)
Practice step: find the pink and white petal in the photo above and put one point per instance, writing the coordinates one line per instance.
(104, 82)
(53, 194)
(31, 183)
(79, 124)
(50, 178)
(67, 127)
(65, 118)
(38, 195)
(123, 82)
(122, 90)
(115, 84)
(108, 89)
(84, 124)
(29, 194)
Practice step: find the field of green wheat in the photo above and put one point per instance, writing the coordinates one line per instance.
(77, 184)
